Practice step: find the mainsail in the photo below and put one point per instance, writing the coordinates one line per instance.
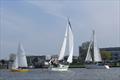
(89, 57)
(97, 56)
(71, 43)
(62, 51)
(69, 37)
(96, 52)
(22, 62)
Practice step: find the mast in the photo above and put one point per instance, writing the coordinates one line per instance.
(93, 32)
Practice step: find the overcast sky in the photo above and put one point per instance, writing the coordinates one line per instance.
(40, 24)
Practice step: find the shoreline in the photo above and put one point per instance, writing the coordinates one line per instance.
(69, 67)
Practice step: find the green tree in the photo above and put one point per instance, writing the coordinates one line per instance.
(106, 55)
(83, 51)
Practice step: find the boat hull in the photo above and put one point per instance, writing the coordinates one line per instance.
(94, 66)
(20, 70)
(59, 68)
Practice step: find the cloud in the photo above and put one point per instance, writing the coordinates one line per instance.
(51, 7)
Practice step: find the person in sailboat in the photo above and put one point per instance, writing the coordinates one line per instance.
(54, 62)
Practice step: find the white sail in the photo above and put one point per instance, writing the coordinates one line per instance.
(15, 63)
(68, 37)
(22, 62)
(97, 56)
(71, 43)
(62, 51)
(89, 57)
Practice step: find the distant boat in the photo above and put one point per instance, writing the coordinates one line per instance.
(20, 62)
(59, 65)
(93, 59)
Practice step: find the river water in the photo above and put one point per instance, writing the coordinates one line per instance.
(72, 74)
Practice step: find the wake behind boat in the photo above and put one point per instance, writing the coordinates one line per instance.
(59, 64)
(93, 59)
(20, 62)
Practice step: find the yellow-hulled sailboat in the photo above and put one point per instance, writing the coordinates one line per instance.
(20, 62)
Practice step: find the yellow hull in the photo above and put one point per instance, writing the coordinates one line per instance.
(20, 70)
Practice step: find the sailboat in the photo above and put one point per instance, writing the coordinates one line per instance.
(20, 62)
(60, 64)
(93, 59)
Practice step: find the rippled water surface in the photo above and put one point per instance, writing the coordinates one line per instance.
(72, 74)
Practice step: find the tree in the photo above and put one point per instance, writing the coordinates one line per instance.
(106, 55)
(2, 61)
(12, 57)
(83, 51)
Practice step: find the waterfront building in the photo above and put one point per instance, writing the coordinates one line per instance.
(36, 61)
(115, 51)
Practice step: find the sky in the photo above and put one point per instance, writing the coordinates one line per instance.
(40, 24)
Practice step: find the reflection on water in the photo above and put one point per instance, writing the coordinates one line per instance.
(72, 74)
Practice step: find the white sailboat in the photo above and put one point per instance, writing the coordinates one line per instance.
(68, 36)
(20, 62)
(93, 59)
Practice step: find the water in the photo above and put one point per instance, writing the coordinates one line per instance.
(72, 74)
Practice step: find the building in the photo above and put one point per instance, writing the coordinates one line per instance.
(36, 61)
(115, 51)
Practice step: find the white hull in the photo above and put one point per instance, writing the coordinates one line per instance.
(60, 68)
(94, 66)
